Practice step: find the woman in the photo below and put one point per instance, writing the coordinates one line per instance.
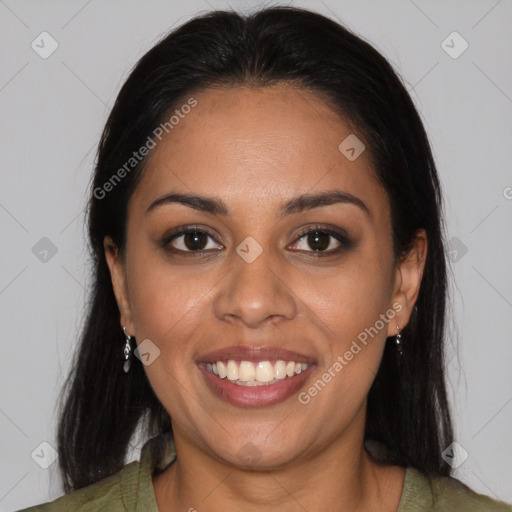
(270, 284)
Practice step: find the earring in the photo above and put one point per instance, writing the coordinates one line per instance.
(127, 351)
(399, 340)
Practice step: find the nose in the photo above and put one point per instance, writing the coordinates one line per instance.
(255, 292)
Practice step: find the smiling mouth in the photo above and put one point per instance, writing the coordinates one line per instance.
(255, 373)
(250, 376)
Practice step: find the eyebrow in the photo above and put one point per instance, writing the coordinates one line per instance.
(216, 206)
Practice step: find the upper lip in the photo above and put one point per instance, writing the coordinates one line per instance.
(254, 353)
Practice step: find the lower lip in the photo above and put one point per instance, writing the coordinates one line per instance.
(255, 396)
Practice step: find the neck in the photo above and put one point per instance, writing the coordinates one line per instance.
(343, 474)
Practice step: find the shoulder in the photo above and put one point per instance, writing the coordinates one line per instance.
(130, 489)
(106, 494)
(439, 493)
(450, 493)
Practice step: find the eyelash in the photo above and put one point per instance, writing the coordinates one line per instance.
(342, 238)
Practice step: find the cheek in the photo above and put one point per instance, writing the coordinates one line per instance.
(353, 309)
(352, 350)
(167, 302)
(168, 308)
(352, 299)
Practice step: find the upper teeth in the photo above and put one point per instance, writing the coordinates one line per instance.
(262, 371)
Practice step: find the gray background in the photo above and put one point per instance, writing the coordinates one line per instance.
(52, 114)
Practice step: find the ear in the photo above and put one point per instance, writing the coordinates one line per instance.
(407, 281)
(118, 277)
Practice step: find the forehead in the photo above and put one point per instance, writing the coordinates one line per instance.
(260, 144)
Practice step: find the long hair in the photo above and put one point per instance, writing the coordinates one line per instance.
(101, 406)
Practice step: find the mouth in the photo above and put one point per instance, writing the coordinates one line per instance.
(255, 376)
(260, 373)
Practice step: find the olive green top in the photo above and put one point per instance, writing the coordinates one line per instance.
(131, 489)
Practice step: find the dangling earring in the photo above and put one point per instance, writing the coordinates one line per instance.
(127, 352)
(399, 340)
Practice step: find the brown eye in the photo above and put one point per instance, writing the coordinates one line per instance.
(195, 241)
(318, 241)
(190, 241)
(322, 241)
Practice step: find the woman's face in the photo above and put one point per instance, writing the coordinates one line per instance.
(252, 290)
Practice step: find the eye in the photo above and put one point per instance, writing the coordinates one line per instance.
(322, 241)
(190, 240)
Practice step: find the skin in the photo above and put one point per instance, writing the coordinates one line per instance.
(256, 148)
